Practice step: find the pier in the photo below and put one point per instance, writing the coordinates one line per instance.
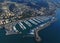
(41, 24)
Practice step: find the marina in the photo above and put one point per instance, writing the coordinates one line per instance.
(25, 18)
(23, 27)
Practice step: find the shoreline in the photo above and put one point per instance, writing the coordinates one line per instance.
(37, 37)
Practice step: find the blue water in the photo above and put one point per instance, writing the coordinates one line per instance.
(52, 33)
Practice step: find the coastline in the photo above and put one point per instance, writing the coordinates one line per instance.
(37, 37)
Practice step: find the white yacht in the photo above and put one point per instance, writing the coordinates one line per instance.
(14, 28)
(29, 24)
(22, 26)
(36, 20)
(32, 21)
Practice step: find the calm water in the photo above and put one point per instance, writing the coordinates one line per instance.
(52, 33)
(49, 35)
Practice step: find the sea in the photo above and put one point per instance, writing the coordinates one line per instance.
(50, 34)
